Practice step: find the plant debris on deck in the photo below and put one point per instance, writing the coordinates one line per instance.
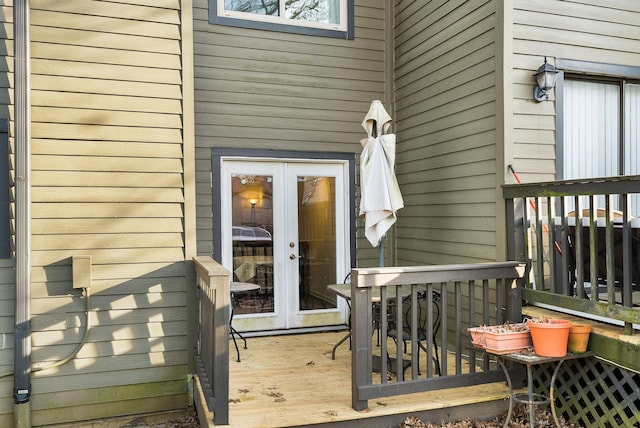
(519, 419)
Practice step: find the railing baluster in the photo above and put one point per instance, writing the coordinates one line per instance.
(458, 318)
(539, 247)
(627, 251)
(551, 236)
(527, 243)
(609, 247)
(399, 334)
(430, 336)
(593, 248)
(415, 355)
(564, 248)
(443, 328)
(384, 317)
(485, 316)
(579, 248)
(472, 322)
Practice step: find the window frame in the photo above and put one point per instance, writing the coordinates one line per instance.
(279, 25)
(595, 72)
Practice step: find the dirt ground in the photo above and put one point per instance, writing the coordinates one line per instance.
(519, 419)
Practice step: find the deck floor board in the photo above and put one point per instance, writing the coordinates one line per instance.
(291, 380)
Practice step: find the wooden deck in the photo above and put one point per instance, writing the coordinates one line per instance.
(291, 380)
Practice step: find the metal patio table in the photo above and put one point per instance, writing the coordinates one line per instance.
(532, 399)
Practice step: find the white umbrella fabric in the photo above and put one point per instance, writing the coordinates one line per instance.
(380, 196)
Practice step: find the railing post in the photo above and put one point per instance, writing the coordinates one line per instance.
(513, 299)
(361, 347)
(220, 378)
(212, 359)
(512, 230)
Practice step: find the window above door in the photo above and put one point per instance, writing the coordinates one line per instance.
(328, 18)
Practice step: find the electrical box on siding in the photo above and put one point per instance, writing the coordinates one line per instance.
(81, 271)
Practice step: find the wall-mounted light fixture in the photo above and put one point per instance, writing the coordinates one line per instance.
(545, 81)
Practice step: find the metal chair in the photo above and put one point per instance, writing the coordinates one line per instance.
(405, 333)
(264, 277)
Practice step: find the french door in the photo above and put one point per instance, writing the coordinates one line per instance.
(285, 227)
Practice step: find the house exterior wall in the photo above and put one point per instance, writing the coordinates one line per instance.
(585, 30)
(446, 101)
(258, 89)
(107, 181)
(464, 110)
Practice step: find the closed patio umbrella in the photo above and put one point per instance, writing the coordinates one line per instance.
(380, 196)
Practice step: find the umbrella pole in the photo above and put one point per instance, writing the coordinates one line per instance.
(381, 251)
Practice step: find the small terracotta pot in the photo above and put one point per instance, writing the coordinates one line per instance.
(550, 338)
(578, 338)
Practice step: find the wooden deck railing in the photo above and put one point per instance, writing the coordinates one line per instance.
(212, 356)
(469, 295)
(581, 241)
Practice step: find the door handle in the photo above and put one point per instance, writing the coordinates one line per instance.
(293, 256)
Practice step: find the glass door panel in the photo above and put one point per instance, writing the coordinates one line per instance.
(317, 241)
(317, 204)
(252, 240)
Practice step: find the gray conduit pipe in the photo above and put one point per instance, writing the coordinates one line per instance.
(22, 124)
(80, 345)
(68, 358)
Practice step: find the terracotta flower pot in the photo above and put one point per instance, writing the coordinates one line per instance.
(550, 337)
(578, 338)
(501, 339)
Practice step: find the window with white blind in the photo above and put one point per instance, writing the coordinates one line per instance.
(601, 135)
(632, 129)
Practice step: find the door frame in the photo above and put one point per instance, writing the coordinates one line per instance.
(248, 155)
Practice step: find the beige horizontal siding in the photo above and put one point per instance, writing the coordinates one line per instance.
(108, 286)
(103, 178)
(585, 30)
(446, 131)
(124, 194)
(108, 181)
(104, 102)
(106, 149)
(67, 36)
(103, 24)
(113, 118)
(105, 210)
(111, 72)
(150, 398)
(272, 90)
(88, 241)
(107, 133)
(85, 396)
(114, 164)
(107, 225)
(97, 86)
